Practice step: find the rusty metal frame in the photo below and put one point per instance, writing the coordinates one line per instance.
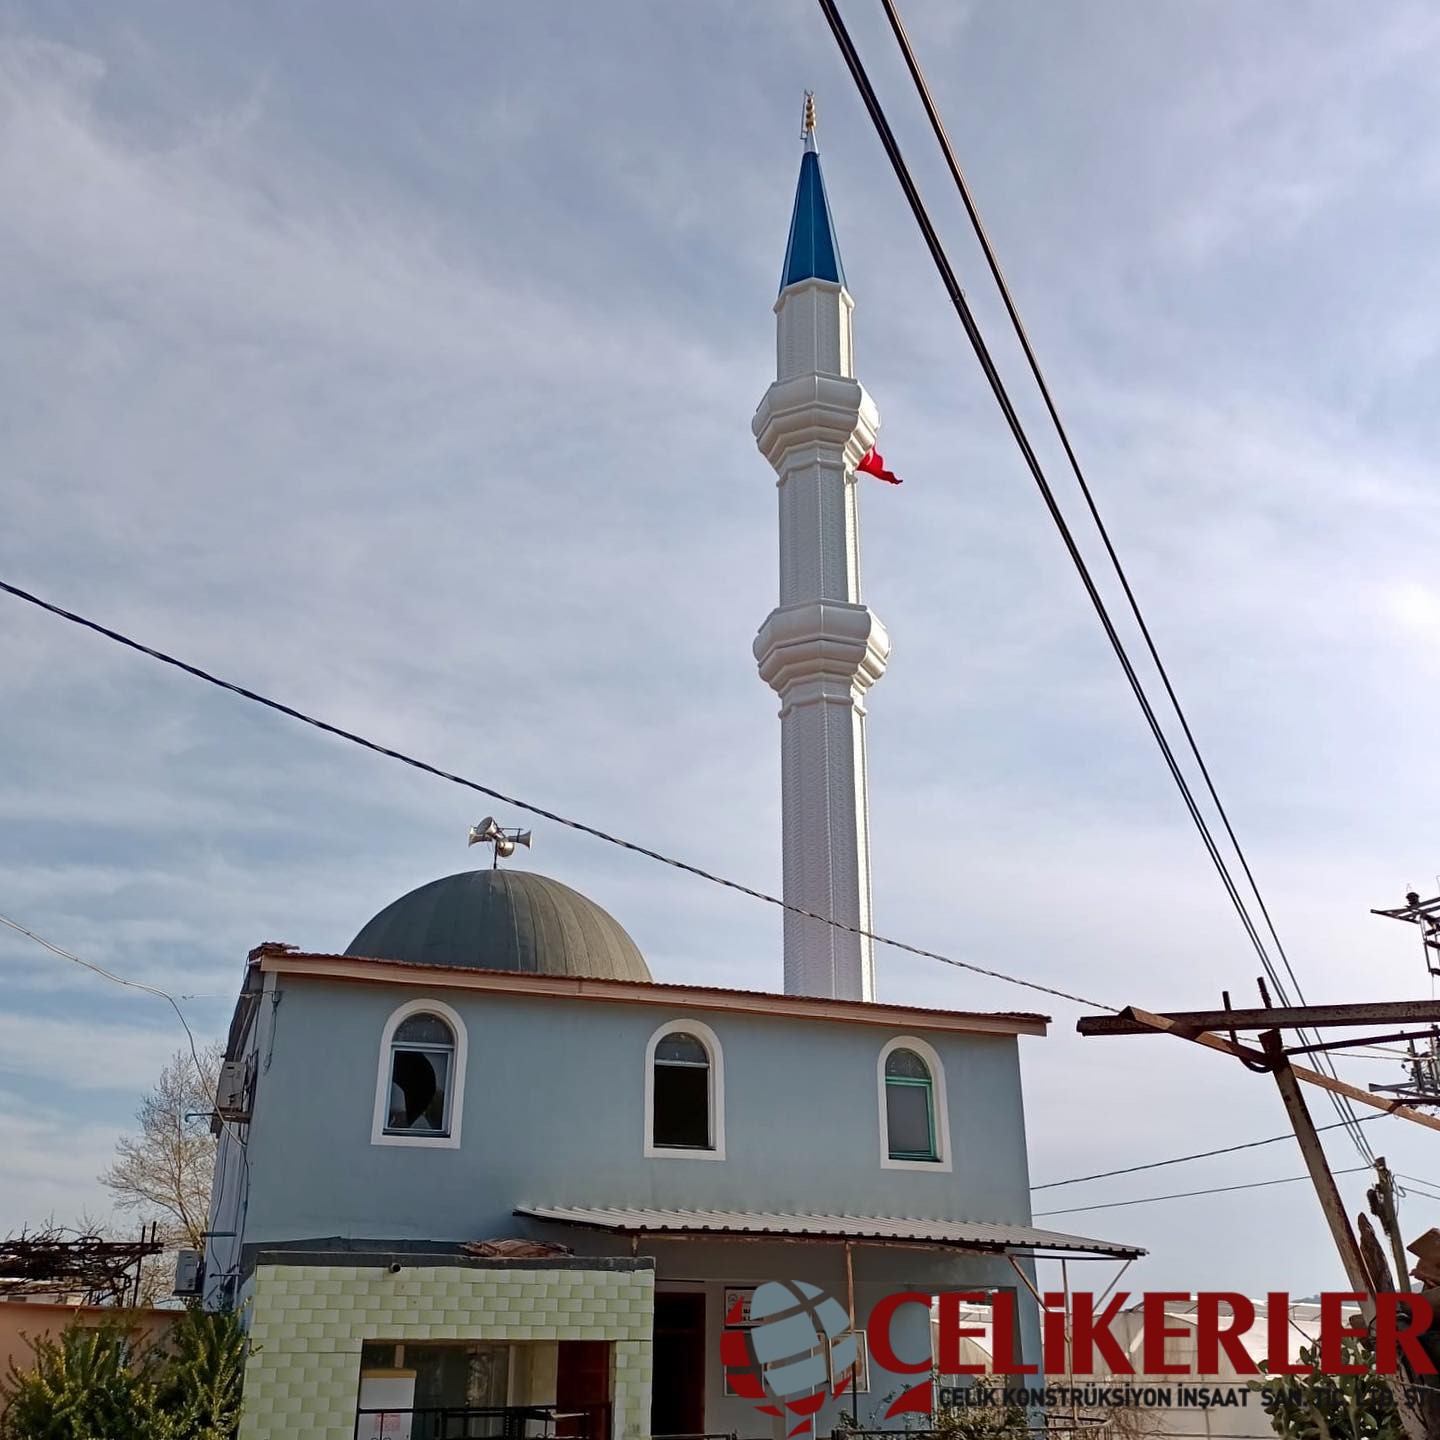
(1364, 1040)
(1145, 1022)
(1134, 1021)
(1273, 1058)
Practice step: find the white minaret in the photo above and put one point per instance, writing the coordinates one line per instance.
(821, 649)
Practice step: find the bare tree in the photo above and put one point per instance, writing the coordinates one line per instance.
(163, 1173)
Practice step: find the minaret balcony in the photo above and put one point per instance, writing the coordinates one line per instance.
(832, 649)
(813, 412)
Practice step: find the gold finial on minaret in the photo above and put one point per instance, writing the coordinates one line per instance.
(808, 132)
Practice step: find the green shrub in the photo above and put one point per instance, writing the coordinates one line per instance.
(1331, 1407)
(103, 1382)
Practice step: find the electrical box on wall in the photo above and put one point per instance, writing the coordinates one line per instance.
(232, 1098)
(189, 1272)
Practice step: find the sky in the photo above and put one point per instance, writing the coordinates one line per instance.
(398, 361)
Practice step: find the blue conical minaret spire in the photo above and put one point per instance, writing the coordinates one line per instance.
(812, 253)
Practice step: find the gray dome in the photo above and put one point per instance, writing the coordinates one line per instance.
(502, 920)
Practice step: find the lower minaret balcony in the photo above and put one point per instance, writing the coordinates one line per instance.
(821, 645)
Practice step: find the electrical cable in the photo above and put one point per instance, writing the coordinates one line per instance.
(1190, 1194)
(1343, 1106)
(1201, 1154)
(426, 768)
(169, 999)
(1002, 397)
(119, 980)
(1017, 430)
(1414, 1181)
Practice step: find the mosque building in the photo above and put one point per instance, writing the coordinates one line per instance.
(483, 1174)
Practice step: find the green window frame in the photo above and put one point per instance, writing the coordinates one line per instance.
(908, 1084)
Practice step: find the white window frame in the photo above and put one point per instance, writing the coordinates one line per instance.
(942, 1164)
(708, 1038)
(457, 1077)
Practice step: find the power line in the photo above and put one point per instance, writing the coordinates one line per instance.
(1342, 1105)
(1201, 1154)
(1070, 1210)
(110, 975)
(1414, 1182)
(1011, 309)
(426, 768)
(1022, 440)
(169, 999)
(1189, 1194)
(1017, 429)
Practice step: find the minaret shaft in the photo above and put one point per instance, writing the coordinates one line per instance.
(821, 649)
(819, 543)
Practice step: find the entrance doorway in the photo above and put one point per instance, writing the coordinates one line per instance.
(582, 1390)
(678, 1389)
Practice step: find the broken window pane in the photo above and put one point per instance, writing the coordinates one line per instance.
(422, 1055)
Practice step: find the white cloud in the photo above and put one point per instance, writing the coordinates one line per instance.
(60, 1053)
(373, 379)
(52, 1159)
(1415, 606)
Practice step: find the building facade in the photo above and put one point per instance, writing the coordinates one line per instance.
(481, 1174)
(657, 1149)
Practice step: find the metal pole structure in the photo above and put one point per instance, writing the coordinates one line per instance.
(1069, 1348)
(854, 1333)
(1334, 1207)
(1314, 1155)
(1136, 1021)
(139, 1264)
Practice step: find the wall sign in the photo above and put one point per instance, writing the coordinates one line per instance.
(740, 1295)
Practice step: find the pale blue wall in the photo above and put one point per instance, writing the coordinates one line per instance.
(553, 1113)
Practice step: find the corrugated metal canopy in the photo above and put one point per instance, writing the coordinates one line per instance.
(978, 1235)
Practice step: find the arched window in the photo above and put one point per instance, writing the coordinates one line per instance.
(914, 1125)
(422, 1074)
(684, 1099)
(422, 1059)
(909, 1107)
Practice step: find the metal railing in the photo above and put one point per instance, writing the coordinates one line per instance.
(484, 1422)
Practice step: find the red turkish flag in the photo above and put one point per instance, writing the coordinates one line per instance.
(874, 464)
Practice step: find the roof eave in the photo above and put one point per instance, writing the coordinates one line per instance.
(355, 969)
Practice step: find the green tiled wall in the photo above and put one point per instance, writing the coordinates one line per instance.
(307, 1323)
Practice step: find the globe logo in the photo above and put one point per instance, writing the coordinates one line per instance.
(803, 1349)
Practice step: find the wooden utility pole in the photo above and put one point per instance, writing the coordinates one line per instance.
(1353, 1261)
(1382, 1204)
(1197, 1026)
(1313, 1152)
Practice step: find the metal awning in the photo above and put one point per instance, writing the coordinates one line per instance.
(980, 1236)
